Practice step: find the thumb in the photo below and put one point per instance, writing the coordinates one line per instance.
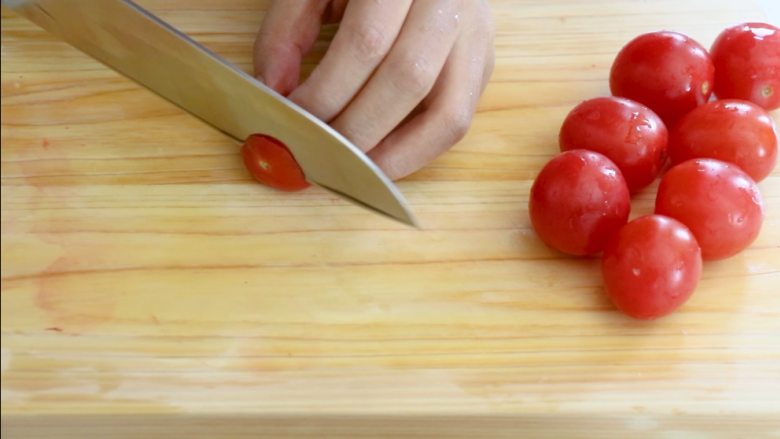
(289, 31)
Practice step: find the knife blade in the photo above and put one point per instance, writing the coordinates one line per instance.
(140, 46)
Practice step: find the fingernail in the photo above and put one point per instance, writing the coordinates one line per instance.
(270, 81)
(274, 87)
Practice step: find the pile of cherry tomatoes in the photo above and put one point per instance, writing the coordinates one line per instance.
(708, 205)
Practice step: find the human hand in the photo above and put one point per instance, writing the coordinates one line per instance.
(400, 80)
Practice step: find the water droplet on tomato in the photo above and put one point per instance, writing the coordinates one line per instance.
(736, 219)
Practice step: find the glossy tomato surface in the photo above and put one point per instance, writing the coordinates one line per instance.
(719, 202)
(747, 64)
(272, 164)
(733, 131)
(628, 133)
(651, 267)
(667, 71)
(578, 201)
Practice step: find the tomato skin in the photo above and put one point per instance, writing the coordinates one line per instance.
(747, 64)
(272, 164)
(731, 130)
(578, 201)
(666, 71)
(651, 267)
(627, 132)
(719, 202)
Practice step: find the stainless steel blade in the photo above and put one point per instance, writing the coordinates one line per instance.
(132, 41)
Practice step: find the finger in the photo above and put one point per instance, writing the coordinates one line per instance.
(289, 31)
(489, 31)
(365, 36)
(405, 77)
(490, 64)
(444, 122)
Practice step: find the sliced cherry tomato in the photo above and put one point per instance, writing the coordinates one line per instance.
(733, 131)
(651, 267)
(272, 164)
(667, 71)
(628, 133)
(578, 201)
(719, 202)
(747, 64)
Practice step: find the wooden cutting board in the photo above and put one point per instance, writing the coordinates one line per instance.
(151, 289)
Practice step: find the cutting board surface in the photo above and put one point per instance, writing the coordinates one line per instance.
(149, 287)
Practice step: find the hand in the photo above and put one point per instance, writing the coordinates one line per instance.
(401, 78)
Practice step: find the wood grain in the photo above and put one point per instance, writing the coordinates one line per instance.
(150, 289)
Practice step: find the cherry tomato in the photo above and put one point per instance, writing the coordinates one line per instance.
(628, 133)
(272, 164)
(719, 202)
(747, 64)
(651, 267)
(667, 71)
(733, 131)
(578, 201)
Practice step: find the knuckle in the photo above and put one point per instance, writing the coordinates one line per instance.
(393, 165)
(414, 76)
(369, 44)
(395, 171)
(314, 100)
(457, 122)
(356, 135)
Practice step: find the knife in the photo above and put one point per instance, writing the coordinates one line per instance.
(140, 46)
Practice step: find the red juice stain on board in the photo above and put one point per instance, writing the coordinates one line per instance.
(68, 302)
(60, 292)
(47, 164)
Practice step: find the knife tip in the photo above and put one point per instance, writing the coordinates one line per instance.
(401, 212)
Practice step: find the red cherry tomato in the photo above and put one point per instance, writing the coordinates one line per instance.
(628, 133)
(272, 164)
(747, 64)
(651, 267)
(733, 131)
(578, 201)
(667, 71)
(719, 202)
